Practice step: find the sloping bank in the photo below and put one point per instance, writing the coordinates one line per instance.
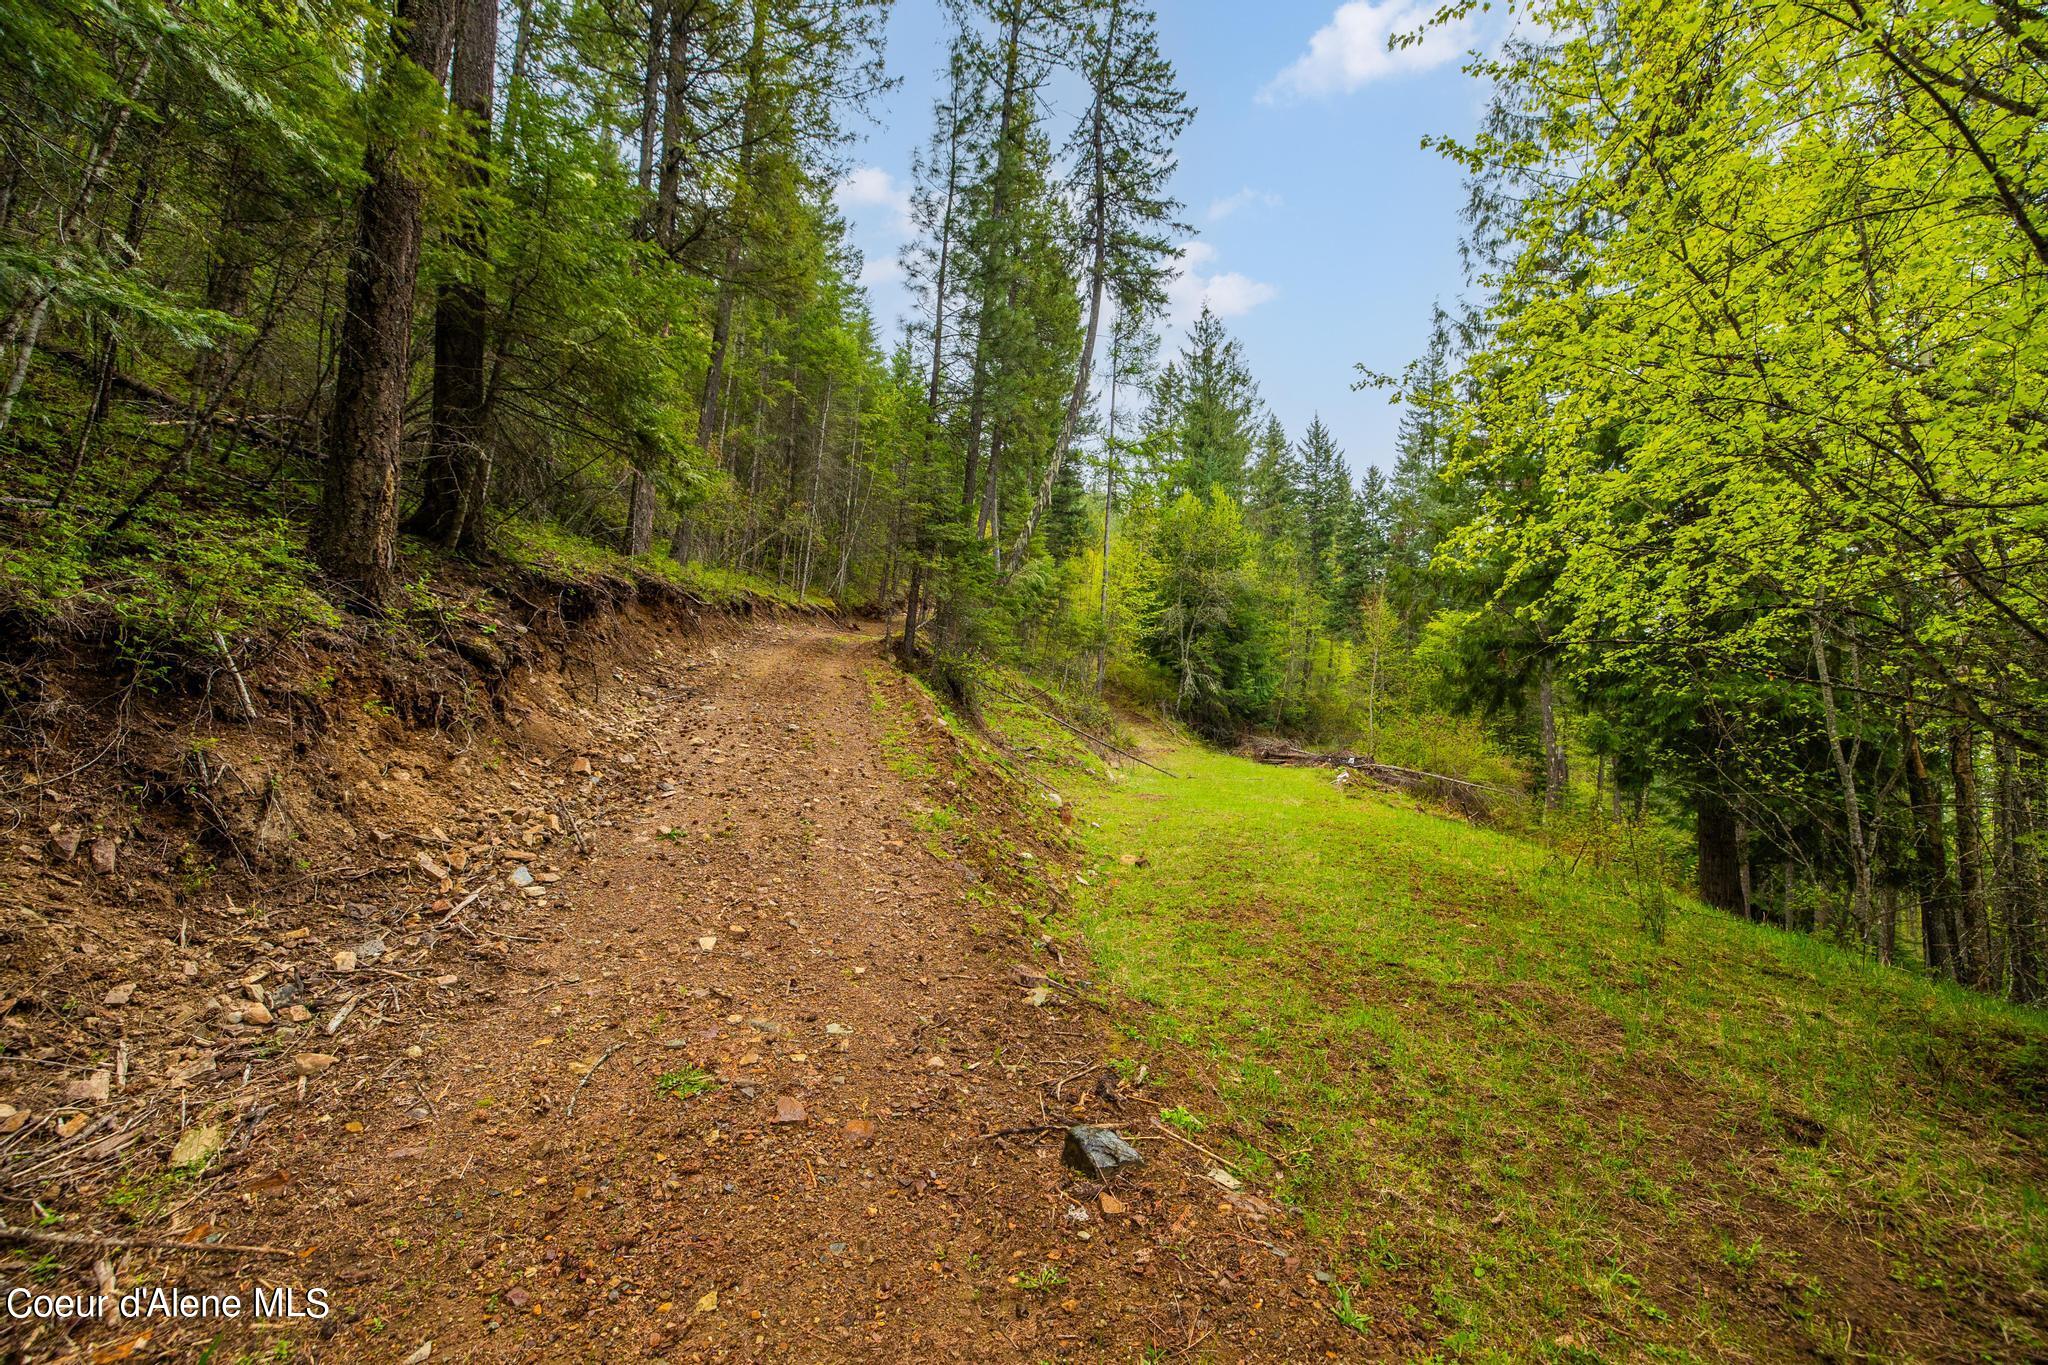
(230, 846)
(1535, 1111)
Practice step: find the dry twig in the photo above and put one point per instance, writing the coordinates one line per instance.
(570, 1112)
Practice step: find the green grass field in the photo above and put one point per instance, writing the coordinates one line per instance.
(1521, 1125)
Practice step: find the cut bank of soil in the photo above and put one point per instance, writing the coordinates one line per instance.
(770, 916)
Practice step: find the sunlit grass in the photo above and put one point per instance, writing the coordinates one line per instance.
(1522, 1125)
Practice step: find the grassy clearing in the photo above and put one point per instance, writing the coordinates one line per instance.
(1527, 1129)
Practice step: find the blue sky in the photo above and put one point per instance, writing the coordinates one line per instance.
(1324, 230)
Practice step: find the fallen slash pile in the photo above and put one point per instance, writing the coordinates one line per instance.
(1473, 800)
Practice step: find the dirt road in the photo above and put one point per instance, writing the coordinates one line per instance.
(769, 926)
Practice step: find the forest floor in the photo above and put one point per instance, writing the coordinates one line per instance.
(762, 1069)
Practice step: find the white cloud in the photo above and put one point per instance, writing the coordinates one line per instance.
(871, 187)
(1219, 209)
(1228, 293)
(876, 271)
(1351, 50)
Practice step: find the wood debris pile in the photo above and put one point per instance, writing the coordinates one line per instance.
(1473, 800)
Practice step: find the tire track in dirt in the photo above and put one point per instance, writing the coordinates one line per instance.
(832, 1197)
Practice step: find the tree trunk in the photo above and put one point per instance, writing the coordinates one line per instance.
(355, 537)
(998, 264)
(1716, 842)
(640, 513)
(920, 533)
(1109, 463)
(1098, 273)
(1937, 894)
(1556, 772)
(856, 507)
(458, 470)
(1973, 933)
(1845, 771)
(2019, 882)
(1742, 875)
(708, 407)
(803, 591)
(515, 84)
(911, 603)
(988, 523)
(650, 91)
(675, 105)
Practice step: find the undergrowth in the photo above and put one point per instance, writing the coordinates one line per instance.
(555, 552)
(184, 566)
(167, 585)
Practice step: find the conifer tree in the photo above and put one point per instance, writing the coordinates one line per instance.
(1122, 154)
(1203, 405)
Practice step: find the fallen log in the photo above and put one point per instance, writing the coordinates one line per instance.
(255, 428)
(1467, 797)
(1069, 725)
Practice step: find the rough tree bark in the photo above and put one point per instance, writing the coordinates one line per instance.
(355, 535)
(1716, 842)
(458, 470)
(674, 128)
(640, 506)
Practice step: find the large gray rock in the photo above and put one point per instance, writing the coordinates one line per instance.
(1098, 1153)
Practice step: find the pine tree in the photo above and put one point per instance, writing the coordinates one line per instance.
(356, 535)
(1066, 516)
(458, 474)
(1204, 404)
(1325, 497)
(1360, 551)
(1008, 66)
(1273, 490)
(1417, 508)
(1122, 158)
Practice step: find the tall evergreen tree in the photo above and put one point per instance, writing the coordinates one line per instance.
(356, 536)
(1122, 155)
(1203, 405)
(1273, 491)
(1325, 501)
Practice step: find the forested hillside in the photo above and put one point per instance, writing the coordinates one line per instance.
(1717, 506)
